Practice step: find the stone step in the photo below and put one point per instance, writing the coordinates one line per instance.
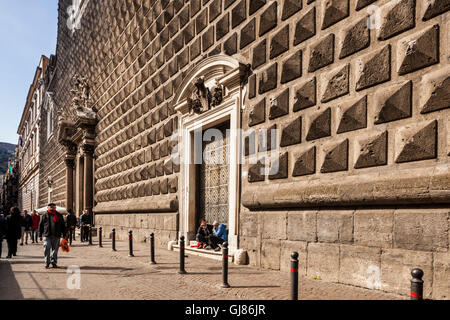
(211, 254)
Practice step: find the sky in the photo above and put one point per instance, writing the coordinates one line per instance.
(28, 29)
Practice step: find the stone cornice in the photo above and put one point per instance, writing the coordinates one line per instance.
(140, 205)
(402, 187)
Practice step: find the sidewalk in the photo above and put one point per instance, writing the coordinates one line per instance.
(112, 275)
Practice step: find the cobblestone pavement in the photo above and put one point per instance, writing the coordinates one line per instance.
(114, 275)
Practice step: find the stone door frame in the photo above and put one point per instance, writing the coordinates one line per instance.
(227, 72)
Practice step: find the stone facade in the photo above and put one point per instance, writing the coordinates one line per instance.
(29, 141)
(359, 184)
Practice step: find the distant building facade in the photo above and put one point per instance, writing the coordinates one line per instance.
(10, 185)
(337, 146)
(29, 141)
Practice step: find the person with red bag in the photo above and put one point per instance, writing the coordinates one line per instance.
(52, 228)
(35, 226)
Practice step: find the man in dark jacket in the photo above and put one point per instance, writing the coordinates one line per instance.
(52, 227)
(13, 231)
(85, 223)
(204, 232)
(71, 222)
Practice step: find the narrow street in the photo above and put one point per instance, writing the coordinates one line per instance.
(113, 275)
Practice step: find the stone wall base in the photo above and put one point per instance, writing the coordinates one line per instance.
(163, 225)
(370, 248)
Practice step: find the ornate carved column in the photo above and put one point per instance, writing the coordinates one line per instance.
(88, 188)
(70, 165)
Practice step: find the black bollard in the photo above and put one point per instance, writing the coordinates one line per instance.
(100, 231)
(152, 248)
(294, 276)
(182, 271)
(225, 265)
(417, 284)
(114, 240)
(130, 241)
(90, 235)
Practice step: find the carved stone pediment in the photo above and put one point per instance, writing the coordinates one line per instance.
(202, 98)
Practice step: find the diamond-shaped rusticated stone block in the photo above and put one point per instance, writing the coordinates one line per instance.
(336, 158)
(419, 50)
(305, 163)
(372, 151)
(396, 17)
(292, 133)
(255, 5)
(292, 67)
(208, 39)
(223, 26)
(256, 172)
(164, 186)
(354, 116)
(290, 7)
(279, 167)
(322, 53)
(230, 45)
(268, 138)
(417, 144)
(337, 83)
(434, 8)
(268, 78)
(394, 103)
(435, 91)
(305, 28)
(268, 19)
(259, 54)
(248, 34)
(215, 9)
(357, 38)
(375, 68)
(334, 11)
(250, 143)
(160, 168)
(363, 3)
(305, 95)
(279, 42)
(279, 106)
(156, 190)
(173, 184)
(168, 167)
(238, 14)
(257, 114)
(320, 126)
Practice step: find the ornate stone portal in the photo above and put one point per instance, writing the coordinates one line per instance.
(212, 95)
(79, 134)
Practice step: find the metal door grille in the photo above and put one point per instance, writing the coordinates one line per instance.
(213, 179)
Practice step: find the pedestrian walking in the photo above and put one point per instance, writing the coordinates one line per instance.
(71, 224)
(27, 223)
(34, 230)
(51, 229)
(22, 226)
(13, 231)
(85, 223)
(2, 231)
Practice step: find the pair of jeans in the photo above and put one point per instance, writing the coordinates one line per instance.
(34, 235)
(51, 247)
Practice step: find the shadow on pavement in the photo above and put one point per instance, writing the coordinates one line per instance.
(253, 287)
(9, 287)
(106, 268)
